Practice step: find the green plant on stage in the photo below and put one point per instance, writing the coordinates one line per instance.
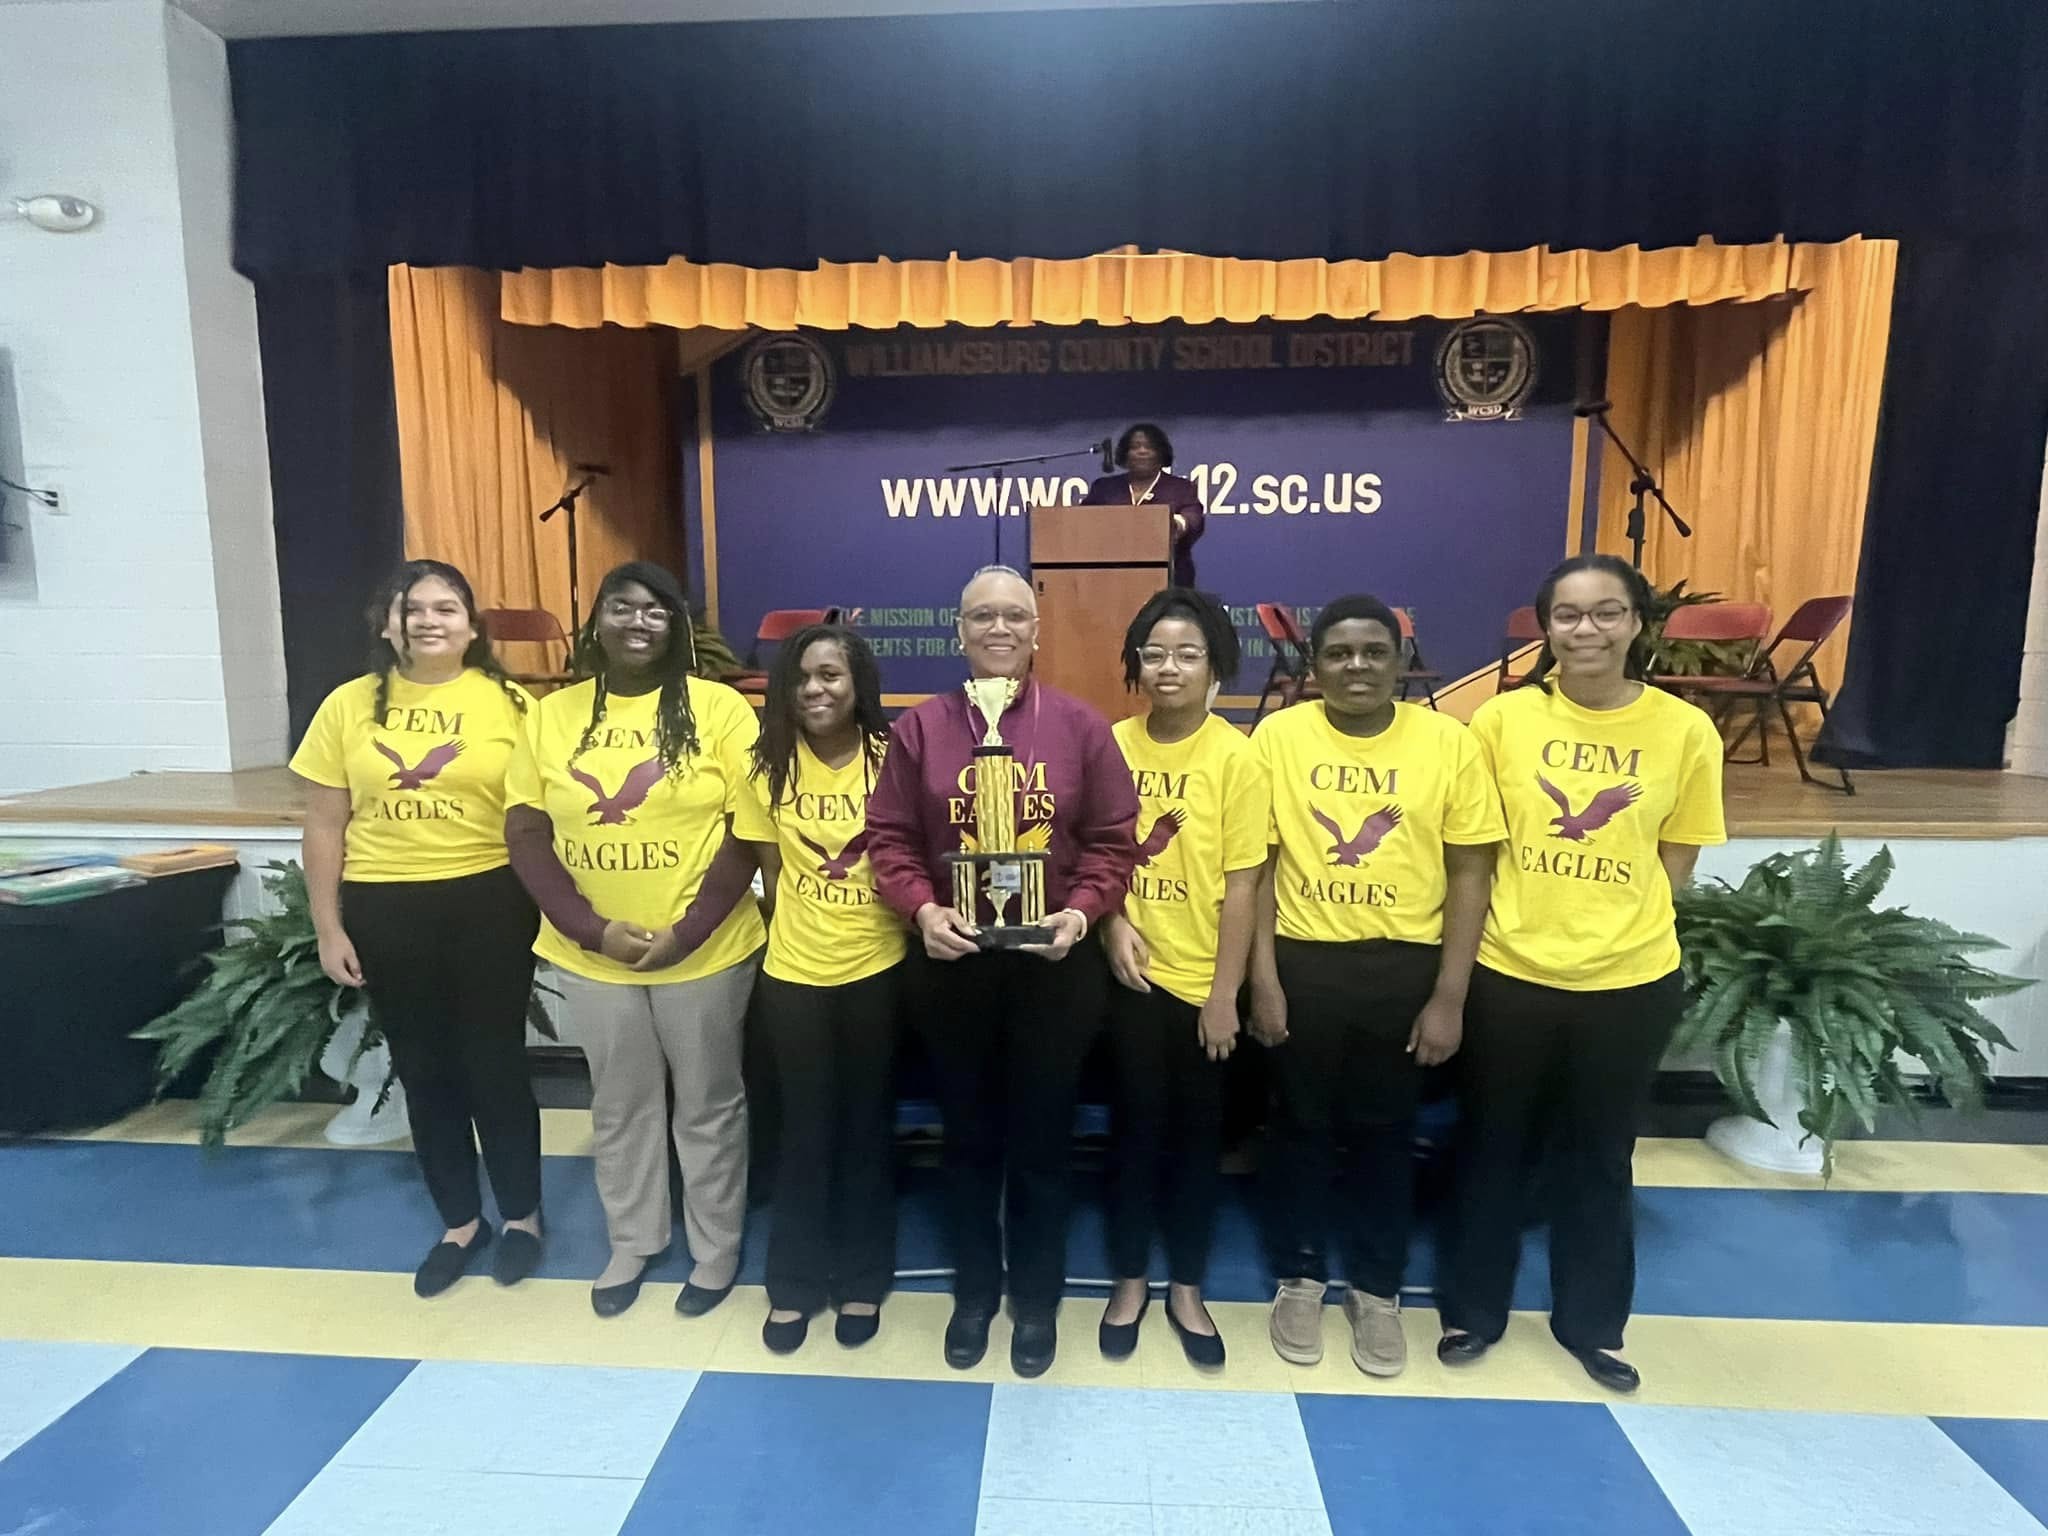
(266, 1009)
(1799, 942)
(1690, 658)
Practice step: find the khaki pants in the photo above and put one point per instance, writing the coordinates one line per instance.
(637, 1040)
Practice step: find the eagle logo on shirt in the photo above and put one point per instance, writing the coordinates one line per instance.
(429, 767)
(1162, 833)
(1346, 852)
(1576, 827)
(838, 866)
(616, 810)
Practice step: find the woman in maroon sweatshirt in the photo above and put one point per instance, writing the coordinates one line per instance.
(1007, 1029)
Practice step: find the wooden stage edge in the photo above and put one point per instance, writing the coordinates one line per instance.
(1762, 803)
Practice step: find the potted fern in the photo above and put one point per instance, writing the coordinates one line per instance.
(1815, 1004)
(268, 1015)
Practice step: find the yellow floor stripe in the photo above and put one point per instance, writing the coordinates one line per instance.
(1713, 1361)
(1904, 1167)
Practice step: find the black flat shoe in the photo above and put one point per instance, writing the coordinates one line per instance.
(611, 1300)
(1204, 1350)
(854, 1329)
(1461, 1348)
(447, 1263)
(1615, 1375)
(967, 1339)
(1033, 1343)
(518, 1256)
(1119, 1341)
(785, 1338)
(695, 1300)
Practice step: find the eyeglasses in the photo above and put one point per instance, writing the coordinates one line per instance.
(653, 615)
(1183, 655)
(1606, 616)
(986, 618)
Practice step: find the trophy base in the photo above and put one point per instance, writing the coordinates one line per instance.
(1015, 936)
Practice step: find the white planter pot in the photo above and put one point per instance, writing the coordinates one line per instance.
(362, 1123)
(1783, 1147)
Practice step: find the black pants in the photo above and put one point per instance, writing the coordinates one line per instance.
(448, 965)
(1345, 1071)
(834, 1237)
(1578, 1064)
(1169, 1132)
(1007, 1034)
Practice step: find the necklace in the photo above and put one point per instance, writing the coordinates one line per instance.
(1137, 497)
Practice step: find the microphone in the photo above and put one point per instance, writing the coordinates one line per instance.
(1595, 408)
(1107, 448)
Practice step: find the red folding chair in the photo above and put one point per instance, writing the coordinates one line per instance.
(1519, 633)
(776, 626)
(1291, 678)
(1812, 625)
(531, 626)
(1415, 673)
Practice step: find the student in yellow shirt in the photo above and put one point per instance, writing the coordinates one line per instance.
(828, 989)
(405, 869)
(1611, 787)
(621, 807)
(1384, 826)
(1179, 948)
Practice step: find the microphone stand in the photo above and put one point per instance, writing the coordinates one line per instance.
(1644, 484)
(567, 504)
(1102, 447)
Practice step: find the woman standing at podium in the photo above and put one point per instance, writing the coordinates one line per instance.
(1145, 452)
(1007, 1029)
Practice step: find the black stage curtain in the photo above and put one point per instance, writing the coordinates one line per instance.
(326, 347)
(1272, 130)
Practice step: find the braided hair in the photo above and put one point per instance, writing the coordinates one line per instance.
(1640, 598)
(675, 724)
(1200, 610)
(775, 754)
(387, 659)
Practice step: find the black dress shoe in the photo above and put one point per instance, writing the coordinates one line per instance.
(1119, 1341)
(518, 1256)
(611, 1300)
(446, 1263)
(1204, 1350)
(1461, 1348)
(1033, 1343)
(1615, 1375)
(967, 1338)
(785, 1338)
(695, 1300)
(854, 1329)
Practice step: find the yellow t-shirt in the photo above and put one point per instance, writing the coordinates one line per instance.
(1580, 900)
(1361, 822)
(426, 784)
(1203, 808)
(637, 841)
(830, 927)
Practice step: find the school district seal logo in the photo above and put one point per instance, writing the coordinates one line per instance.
(788, 381)
(1485, 369)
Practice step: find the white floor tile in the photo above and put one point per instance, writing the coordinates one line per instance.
(1042, 1517)
(1083, 1445)
(1731, 1472)
(460, 1416)
(388, 1501)
(1209, 1520)
(40, 1382)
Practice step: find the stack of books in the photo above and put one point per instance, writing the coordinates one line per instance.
(43, 879)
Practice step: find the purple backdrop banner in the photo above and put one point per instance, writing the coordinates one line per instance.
(1323, 451)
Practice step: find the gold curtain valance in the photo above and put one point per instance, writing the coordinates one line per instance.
(1128, 288)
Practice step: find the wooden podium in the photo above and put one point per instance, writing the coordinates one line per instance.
(1093, 569)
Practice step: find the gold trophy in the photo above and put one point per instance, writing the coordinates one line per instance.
(991, 864)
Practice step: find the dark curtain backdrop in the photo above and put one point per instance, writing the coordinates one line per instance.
(1334, 130)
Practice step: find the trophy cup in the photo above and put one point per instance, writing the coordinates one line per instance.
(995, 866)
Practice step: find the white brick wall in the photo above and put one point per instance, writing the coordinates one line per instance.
(151, 639)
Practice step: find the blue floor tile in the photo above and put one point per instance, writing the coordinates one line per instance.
(1428, 1467)
(2014, 1451)
(191, 1443)
(39, 1383)
(756, 1454)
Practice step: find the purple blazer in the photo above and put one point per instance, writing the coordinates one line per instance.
(1176, 493)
